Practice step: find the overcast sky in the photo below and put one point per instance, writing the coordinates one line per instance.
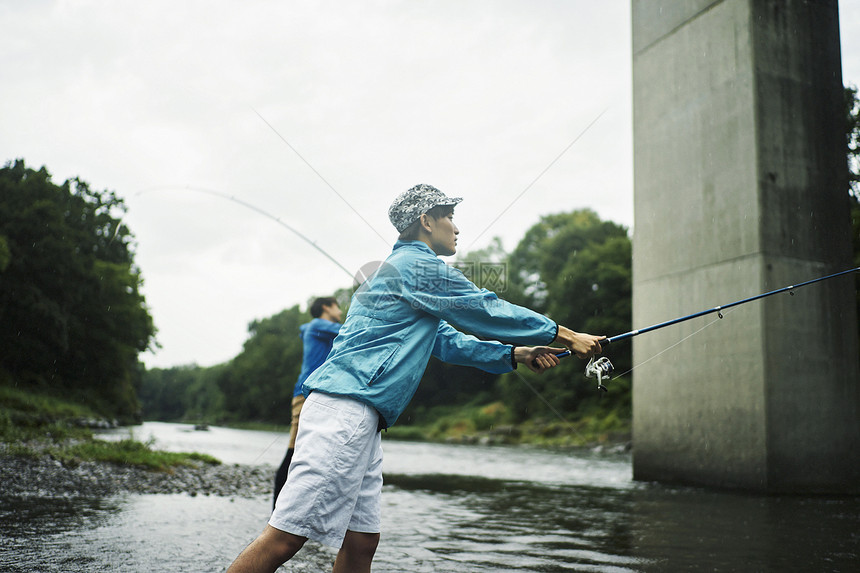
(176, 104)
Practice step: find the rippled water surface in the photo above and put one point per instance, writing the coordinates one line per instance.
(447, 509)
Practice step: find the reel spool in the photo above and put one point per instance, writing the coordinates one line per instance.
(599, 368)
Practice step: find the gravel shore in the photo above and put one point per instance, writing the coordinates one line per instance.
(46, 477)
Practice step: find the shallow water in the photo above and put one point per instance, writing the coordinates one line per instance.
(447, 508)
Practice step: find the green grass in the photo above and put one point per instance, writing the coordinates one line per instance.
(127, 452)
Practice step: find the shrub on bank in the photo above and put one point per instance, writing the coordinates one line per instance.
(490, 424)
(30, 416)
(32, 425)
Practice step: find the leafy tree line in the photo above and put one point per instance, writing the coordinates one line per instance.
(72, 318)
(256, 385)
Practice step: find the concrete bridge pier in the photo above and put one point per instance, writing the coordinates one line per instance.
(740, 188)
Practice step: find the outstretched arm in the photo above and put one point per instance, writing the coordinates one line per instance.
(454, 347)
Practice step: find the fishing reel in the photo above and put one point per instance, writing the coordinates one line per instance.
(599, 368)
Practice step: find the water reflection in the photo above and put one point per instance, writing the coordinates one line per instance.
(482, 524)
(700, 530)
(31, 516)
(31, 527)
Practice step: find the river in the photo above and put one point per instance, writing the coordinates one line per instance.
(447, 508)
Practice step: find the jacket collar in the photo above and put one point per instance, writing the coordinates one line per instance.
(420, 245)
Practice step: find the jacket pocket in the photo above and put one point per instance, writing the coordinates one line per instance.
(383, 367)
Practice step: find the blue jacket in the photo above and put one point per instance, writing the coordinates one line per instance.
(317, 337)
(401, 315)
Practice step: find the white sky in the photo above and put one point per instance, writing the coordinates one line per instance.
(157, 100)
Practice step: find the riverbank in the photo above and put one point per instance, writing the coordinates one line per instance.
(41, 475)
(47, 449)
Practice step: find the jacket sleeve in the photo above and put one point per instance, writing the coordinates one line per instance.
(454, 347)
(446, 293)
(330, 328)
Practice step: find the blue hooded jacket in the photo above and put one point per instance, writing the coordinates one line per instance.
(400, 317)
(317, 337)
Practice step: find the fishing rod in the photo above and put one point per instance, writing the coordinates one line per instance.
(254, 208)
(602, 367)
(318, 174)
(541, 174)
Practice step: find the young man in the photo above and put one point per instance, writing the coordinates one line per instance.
(397, 319)
(317, 337)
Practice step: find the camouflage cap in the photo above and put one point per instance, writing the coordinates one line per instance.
(413, 203)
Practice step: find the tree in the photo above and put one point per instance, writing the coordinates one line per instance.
(72, 317)
(577, 269)
(163, 393)
(258, 384)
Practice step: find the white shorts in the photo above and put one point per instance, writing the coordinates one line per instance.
(335, 479)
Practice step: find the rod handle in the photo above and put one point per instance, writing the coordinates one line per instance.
(603, 344)
(563, 354)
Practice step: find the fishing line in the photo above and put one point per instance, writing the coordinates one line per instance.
(535, 180)
(260, 211)
(272, 443)
(505, 210)
(318, 174)
(247, 205)
(550, 406)
(668, 348)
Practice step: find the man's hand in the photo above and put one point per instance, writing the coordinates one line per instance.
(583, 345)
(537, 358)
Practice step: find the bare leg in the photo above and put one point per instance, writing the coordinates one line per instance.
(266, 553)
(356, 553)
